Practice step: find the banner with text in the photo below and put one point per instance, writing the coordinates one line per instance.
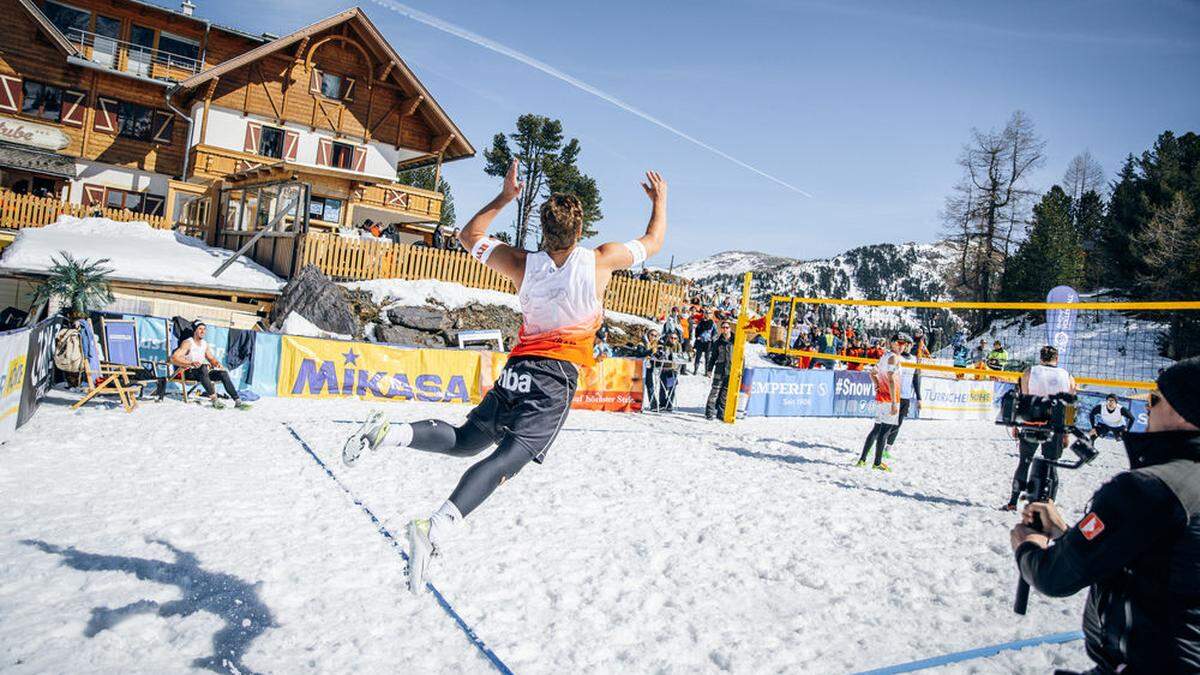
(318, 368)
(613, 384)
(853, 394)
(39, 367)
(783, 392)
(14, 346)
(943, 399)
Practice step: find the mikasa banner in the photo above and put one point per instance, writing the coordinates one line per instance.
(316, 368)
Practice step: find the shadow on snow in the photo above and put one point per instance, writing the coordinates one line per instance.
(225, 596)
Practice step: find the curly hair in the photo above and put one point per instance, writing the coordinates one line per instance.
(562, 221)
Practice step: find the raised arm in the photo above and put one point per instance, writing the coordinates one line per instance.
(619, 256)
(491, 251)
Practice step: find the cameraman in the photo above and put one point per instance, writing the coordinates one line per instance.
(1110, 419)
(1045, 379)
(1139, 545)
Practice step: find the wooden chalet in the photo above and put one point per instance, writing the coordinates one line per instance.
(123, 104)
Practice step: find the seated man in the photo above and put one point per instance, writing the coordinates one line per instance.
(196, 358)
(1110, 419)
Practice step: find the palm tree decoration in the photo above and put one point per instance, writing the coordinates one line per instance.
(80, 285)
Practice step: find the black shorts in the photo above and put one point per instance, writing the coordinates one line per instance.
(528, 403)
(1111, 432)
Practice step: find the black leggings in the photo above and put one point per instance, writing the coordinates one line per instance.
(204, 374)
(879, 435)
(479, 481)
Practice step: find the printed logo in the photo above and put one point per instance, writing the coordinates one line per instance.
(514, 382)
(1091, 526)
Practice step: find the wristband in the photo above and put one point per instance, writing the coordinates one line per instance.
(637, 250)
(482, 250)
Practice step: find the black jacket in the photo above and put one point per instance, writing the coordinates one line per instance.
(720, 351)
(1139, 550)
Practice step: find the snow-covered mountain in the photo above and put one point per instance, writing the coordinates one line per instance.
(730, 262)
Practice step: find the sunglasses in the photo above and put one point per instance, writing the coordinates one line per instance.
(1155, 399)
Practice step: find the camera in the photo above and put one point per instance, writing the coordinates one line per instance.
(1049, 413)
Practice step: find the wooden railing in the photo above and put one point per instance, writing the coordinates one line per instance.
(19, 211)
(345, 259)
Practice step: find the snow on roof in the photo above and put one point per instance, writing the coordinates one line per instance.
(135, 252)
(410, 293)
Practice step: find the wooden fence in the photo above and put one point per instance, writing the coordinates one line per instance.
(19, 211)
(345, 259)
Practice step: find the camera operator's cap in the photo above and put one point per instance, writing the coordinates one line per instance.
(1180, 385)
(902, 337)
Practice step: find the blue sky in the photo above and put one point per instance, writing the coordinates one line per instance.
(865, 105)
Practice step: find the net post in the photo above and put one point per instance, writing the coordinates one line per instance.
(739, 351)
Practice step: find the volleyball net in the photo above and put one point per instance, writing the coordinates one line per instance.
(1106, 345)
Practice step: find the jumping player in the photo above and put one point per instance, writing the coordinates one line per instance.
(1110, 419)
(1044, 379)
(560, 290)
(887, 401)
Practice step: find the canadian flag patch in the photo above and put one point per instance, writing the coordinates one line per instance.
(1091, 526)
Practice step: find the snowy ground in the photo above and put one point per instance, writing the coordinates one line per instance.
(644, 544)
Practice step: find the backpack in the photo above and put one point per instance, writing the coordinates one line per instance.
(68, 350)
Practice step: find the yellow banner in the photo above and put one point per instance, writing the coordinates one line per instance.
(316, 368)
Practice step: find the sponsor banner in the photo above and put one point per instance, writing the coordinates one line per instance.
(318, 368)
(782, 392)
(853, 394)
(267, 348)
(39, 367)
(1090, 399)
(613, 384)
(14, 348)
(120, 338)
(1060, 323)
(943, 399)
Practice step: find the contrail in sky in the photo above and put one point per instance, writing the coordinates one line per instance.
(475, 38)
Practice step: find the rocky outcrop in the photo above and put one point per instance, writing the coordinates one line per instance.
(313, 296)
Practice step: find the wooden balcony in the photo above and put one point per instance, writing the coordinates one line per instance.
(126, 57)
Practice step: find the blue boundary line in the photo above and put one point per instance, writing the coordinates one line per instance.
(979, 652)
(441, 600)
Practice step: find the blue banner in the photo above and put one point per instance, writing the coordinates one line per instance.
(267, 347)
(120, 342)
(1060, 323)
(854, 394)
(782, 392)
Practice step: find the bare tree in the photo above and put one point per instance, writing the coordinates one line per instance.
(1084, 174)
(991, 199)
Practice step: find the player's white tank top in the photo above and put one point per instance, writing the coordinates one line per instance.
(906, 378)
(560, 307)
(1111, 418)
(198, 351)
(1048, 380)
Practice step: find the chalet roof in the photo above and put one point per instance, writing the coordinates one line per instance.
(45, 162)
(458, 146)
(49, 29)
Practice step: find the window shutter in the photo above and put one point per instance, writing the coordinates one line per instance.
(253, 133)
(10, 93)
(106, 115)
(348, 89)
(360, 159)
(324, 151)
(152, 205)
(291, 143)
(164, 126)
(93, 195)
(73, 108)
(314, 82)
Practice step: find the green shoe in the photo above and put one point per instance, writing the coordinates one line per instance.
(241, 405)
(859, 464)
(887, 455)
(367, 437)
(217, 404)
(882, 467)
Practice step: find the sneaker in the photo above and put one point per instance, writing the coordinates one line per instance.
(882, 467)
(368, 436)
(241, 405)
(420, 552)
(218, 404)
(1009, 507)
(887, 455)
(860, 464)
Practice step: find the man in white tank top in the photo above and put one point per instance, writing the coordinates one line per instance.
(1110, 419)
(1044, 379)
(561, 290)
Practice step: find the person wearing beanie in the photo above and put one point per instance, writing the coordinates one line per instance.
(1138, 547)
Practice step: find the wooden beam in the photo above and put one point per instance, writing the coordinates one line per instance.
(246, 95)
(208, 94)
(410, 105)
(387, 69)
(437, 172)
(299, 56)
(395, 107)
(262, 80)
(440, 143)
(370, 110)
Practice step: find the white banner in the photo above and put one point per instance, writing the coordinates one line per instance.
(13, 348)
(943, 399)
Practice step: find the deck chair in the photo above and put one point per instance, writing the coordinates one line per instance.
(117, 368)
(164, 372)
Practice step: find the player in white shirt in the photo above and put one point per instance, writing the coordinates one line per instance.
(1044, 379)
(887, 401)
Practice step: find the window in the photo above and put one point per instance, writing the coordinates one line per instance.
(326, 209)
(138, 202)
(72, 22)
(41, 100)
(135, 121)
(341, 156)
(270, 143)
(331, 85)
(142, 45)
(187, 50)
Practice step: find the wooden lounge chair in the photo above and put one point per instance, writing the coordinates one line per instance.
(115, 377)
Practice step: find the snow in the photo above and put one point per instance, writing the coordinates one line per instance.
(729, 262)
(296, 324)
(135, 252)
(644, 544)
(401, 292)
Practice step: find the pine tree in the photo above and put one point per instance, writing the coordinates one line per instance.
(1050, 256)
(1125, 217)
(423, 178)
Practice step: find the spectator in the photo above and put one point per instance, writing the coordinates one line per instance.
(439, 237)
(920, 348)
(856, 349)
(706, 332)
(671, 325)
(720, 358)
(826, 344)
(602, 350)
(979, 356)
(668, 358)
(195, 355)
(998, 358)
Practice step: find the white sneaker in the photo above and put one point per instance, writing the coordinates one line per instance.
(420, 552)
(368, 436)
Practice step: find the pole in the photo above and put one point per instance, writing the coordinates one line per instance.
(739, 352)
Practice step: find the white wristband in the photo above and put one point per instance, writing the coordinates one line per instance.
(482, 250)
(638, 250)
